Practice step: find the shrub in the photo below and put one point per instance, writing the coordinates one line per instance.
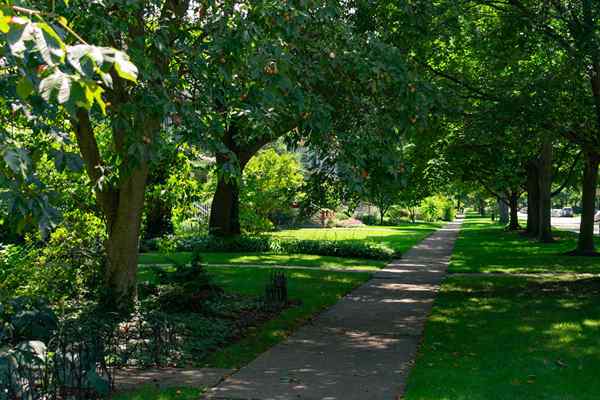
(437, 208)
(369, 219)
(69, 265)
(261, 244)
(397, 215)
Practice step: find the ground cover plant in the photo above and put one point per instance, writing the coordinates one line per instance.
(310, 290)
(485, 247)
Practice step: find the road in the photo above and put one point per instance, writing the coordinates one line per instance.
(564, 223)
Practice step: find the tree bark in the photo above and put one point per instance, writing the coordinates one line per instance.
(545, 193)
(122, 205)
(123, 242)
(225, 209)
(514, 211)
(585, 245)
(503, 212)
(533, 199)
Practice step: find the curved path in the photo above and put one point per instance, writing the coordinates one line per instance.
(361, 348)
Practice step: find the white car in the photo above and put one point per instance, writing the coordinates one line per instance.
(597, 217)
(556, 212)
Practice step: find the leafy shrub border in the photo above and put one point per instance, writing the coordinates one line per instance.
(263, 244)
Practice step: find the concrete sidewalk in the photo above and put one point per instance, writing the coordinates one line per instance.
(361, 348)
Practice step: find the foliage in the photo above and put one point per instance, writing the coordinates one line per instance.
(270, 184)
(437, 208)
(240, 244)
(73, 254)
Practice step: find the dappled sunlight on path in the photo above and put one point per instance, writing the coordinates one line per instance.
(363, 347)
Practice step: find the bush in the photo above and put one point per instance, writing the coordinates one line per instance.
(369, 219)
(69, 265)
(437, 208)
(349, 223)
(262, 244)
(397, 215)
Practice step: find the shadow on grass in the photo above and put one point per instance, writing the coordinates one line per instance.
(511, 338)
(486, 247)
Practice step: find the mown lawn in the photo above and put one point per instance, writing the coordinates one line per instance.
(397, 238)
(486, 247)
(299, 260)
(510, 337)
(149, 393)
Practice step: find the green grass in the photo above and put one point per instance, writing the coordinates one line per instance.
(315, 289)
(397, 238)
(486, 247)
(505, 338)
(300, 260)
(149, 393)
(510, 337)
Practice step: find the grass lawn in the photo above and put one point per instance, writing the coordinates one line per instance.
(315, 289)
(485, 247)
(398, 238)
(149, 393)
(299, 260)
(508, 337)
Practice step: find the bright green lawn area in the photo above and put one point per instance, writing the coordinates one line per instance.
(485, 247)
(149, 393)
(505, 338)
(510, 337)
(315, 289)
(398, 238)
(300, 260)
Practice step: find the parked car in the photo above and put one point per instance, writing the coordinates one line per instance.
(556, 212)
(567, 212)
(597, 217)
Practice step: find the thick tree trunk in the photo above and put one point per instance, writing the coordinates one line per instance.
(225, 209)
(123, 242)
(533, 199)
(545, 193)
(122, 206)
(514, 211)
(585, 245)
(503, 212)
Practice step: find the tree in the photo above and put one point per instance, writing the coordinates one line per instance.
(297, 71)
(116, 139)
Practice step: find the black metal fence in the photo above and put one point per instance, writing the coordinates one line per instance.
(80, 359)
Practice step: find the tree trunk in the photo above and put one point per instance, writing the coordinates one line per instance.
(585, 245)
(503, 212)
(533, 199)
(225, 209)
(123, 242)
(514, 212)
(545, 193)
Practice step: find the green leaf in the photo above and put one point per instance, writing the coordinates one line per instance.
(124, 67)
(58, 82)
(24, 88)
(4, 23)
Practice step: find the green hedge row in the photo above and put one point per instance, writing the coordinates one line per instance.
(267, 244)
